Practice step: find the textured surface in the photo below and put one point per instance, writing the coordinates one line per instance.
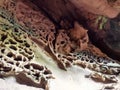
(16, 54)
(20, 27)
(63, 47)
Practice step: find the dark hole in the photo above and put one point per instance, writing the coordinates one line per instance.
(28, 73)
(113, 61)
(20, 47)
(42, 30)
(40, 35)
(47, 37)
(1, 65)
(85, 54)
(62, 42)
(70, 59)
(18, 40)
(28, 51)
(2, 50)
(3, 37)
(67, 64)
(24, 59)
(105, 62)
(27, 66)
(1, 56)
(27, 45)
(59, 55)
(7, 69)
(10, 62)
(72, 50)
(24, 41)
(10, 54)
(18, 58)
(37, 75)
(12, 42)
(6, 42)
(25, 37)
(17, 64)
(100, 60)
(94, 56)
(82, 59)
(52, 30)
(47, 72)
(35, 66)
(30, 57)
(5, 59)
(87, 60)
(89, 56)
(13, 47)
(16, 30)
(32, 70)
(91, 61)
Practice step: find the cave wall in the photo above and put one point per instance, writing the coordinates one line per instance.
(63, 14)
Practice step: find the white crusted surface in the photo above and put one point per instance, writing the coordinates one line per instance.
(73, 79)
(10, 84)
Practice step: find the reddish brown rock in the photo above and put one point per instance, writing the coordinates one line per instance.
(65, 13)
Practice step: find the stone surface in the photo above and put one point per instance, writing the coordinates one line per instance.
(65, 13)
(70, 47)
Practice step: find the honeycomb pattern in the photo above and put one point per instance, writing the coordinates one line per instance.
(17, 54)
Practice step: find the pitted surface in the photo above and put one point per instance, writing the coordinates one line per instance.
(67, 51)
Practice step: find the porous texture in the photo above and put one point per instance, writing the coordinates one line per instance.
(59, 43)
(16, 53)
(39, 25)
(67, 47)
(34, 72)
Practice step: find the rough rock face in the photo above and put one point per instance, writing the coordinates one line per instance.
(106, 39)
(79, 34)
(67, 13)
(34, 75)
(67, 47)
(17, 54)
